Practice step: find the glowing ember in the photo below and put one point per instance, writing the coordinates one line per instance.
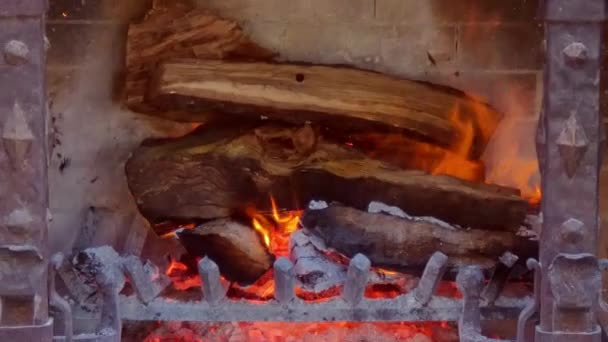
(274, 228)
(259, 292)
(171, 234)
(326, 332)
(175, 267)
(181, 280)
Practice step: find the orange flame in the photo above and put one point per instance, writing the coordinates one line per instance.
(506, 163)
(171, 234)
(288, 222)
(276, 227)
(511, 158)
(453, 163)
(175, 267)
(406, 153)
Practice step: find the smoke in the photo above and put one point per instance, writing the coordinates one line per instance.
(93, 136)
(510, 157)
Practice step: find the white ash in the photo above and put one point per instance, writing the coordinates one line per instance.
(101, 260)
(32, 250)
(318, 243)
(527, 233)
(314, 272)
(106, 332)
(19, 217)
(317, 205)
(534, 223)
(508, 259)
(376, 207)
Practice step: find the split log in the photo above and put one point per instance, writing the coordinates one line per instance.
(407, 245)
(332, 96)
(173, 29)
(219, 172)
(237, 249)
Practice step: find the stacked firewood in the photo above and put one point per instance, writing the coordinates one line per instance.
(298, 132)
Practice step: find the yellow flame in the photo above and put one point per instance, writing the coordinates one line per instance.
(262, 230)
(288, 223)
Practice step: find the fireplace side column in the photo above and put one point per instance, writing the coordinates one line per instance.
(23, 173)
(570, 146)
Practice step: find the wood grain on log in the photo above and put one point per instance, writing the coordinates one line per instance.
(219, 172)
(332, 96)
(403, 244)
(237, 249)
(175, 30)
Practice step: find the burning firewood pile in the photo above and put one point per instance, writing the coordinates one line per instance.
(356, 177)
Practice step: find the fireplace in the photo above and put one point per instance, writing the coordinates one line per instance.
(305, 170)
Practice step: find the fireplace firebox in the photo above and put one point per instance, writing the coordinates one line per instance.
(308, 170)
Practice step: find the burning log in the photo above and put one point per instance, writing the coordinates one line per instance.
(408, 153)
(237, 249)
(333, 96)
(402, 244)
(218, 172)
(176, 30)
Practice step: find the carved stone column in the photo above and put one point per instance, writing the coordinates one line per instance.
(23, 173)
(569, 139)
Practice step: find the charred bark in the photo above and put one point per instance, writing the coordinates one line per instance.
(221, 172)
(406, 245)
(237, 249)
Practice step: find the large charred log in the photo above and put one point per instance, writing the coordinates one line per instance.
(219, 172)
(407, 245)
(332, 96)
(237, 249)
